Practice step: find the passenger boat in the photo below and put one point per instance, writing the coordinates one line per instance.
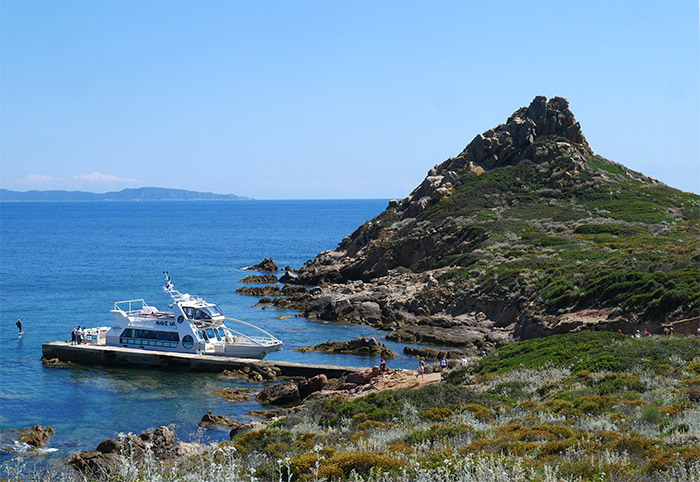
(193, 326)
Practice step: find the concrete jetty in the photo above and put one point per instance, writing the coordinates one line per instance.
(87, 354)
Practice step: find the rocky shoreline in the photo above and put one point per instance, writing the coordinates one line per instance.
(282, 399)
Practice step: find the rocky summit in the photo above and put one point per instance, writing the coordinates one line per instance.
(525, 233)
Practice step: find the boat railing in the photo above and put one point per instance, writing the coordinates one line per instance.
(267, 340)
(130, 307)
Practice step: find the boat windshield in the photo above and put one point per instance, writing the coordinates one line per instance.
(212, 310)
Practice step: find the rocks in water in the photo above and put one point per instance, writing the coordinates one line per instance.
(281, 394)
(312, 385)
(50, 361)
(433, 353)
(260, 278)
(209, 420)
(267, 265)
(260, 290)
(257, 373)
(361, 346)
(36, 436)
(235, 394)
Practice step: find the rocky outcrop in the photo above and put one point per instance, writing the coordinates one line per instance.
(360, 346)
(312, 385)
(260, 290)
(281, 394)
(210, 420)
(525, 233)
(260, 278)
(109, 455)
(267, 265)
(36, 436)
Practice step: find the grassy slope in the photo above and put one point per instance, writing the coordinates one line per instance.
(602, 237)
(587, 406)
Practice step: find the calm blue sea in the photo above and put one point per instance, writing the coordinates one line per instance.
(65, 264)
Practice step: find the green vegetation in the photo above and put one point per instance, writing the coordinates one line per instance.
(558, 238)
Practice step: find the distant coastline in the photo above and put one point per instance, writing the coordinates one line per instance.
(138, 194)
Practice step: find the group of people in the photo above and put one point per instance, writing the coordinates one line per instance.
(443, 364)
(77, 336)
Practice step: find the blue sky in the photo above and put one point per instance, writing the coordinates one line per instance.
(356, 99)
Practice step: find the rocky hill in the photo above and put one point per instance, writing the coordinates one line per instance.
(525, 233)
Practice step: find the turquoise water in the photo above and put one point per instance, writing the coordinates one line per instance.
(65, 264)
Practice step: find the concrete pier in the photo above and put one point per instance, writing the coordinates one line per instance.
(87, 354)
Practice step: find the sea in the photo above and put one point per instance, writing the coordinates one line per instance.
(64, 264)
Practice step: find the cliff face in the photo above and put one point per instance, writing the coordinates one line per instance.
(525, 232)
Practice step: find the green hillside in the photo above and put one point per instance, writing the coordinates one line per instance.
(528, 219)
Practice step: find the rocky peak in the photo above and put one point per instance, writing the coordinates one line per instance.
(540, 132)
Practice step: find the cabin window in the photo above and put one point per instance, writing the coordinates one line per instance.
(201, 315)
(187, 341)
(132, 336)
(212, 334)
(189, 311)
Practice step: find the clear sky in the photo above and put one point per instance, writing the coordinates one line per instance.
(354, 99)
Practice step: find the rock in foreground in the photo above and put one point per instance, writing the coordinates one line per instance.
(109, 455)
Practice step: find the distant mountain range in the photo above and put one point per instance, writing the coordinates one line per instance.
(139, 194)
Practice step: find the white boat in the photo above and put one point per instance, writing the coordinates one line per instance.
(193, 326)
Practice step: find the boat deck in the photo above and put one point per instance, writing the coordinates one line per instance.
(88, 354)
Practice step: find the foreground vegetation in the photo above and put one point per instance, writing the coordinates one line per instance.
(587, 406)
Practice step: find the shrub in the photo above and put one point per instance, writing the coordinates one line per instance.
(651, 414)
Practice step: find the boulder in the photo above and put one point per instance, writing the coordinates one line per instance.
(289, 277)
(96, 464)
(244, 428)
(209, 420)
(267, 265)
(188, 449)
(109, 446)
(363, 378)
(280, 394)
(311, 385)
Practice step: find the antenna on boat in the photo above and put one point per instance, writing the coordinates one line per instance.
(168, 284)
